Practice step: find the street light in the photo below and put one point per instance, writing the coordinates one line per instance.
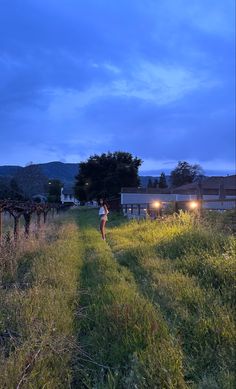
(193, 205)
(157, 206)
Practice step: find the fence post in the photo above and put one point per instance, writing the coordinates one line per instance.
(45, 213)
(38, 219)
(27, 217)
(176, 207)
(200, 202)
(16, 226)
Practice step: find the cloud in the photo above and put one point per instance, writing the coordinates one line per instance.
(152, 77)
(157, 84)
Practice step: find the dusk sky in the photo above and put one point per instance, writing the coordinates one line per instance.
(152, 77)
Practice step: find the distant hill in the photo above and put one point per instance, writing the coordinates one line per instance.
(9, 171)
(31, 181)
(65, 172)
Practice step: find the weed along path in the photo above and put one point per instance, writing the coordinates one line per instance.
(125, 342)
(37, 317)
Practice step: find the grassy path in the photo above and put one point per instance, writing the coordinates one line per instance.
(124, 338)
(150, 308)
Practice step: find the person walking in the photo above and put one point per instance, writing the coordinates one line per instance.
(103, 212)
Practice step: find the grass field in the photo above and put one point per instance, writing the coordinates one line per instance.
(152, 307)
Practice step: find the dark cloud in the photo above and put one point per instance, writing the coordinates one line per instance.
(152, 77)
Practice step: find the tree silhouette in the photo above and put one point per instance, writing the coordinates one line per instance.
(162, 181)
(185, 173)
(104, 175)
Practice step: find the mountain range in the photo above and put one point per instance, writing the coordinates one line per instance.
(65, 172)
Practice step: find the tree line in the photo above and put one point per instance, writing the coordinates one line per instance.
(99, 176)
(160, 183)
(103, 176)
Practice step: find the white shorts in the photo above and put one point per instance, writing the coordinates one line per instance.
(103, 218)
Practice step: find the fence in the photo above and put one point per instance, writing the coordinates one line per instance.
(25, 210)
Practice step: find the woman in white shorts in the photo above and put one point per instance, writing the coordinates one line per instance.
(103, 212)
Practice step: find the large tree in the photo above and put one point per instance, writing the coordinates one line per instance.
(54, 191)
(185, 173)
(104, 175)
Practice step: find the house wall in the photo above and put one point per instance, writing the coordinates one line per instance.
(68, 199)
(148, 198)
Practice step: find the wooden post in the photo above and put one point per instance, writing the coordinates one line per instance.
(132, 209)
(176, 207)
(27, 217)
(16, 226)
(38, 219)
(45, 213)
(139, 209)
(200, 206)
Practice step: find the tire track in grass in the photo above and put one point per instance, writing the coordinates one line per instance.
(124, 340)
(204, 325)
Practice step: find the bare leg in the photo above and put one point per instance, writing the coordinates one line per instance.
(102, 229)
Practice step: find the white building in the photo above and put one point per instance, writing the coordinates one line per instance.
(68, 196)
(217, 193)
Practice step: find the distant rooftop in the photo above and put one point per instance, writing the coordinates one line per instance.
(210, 184)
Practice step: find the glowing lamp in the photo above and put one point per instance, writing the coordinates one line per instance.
(193, 204)
(156, 204)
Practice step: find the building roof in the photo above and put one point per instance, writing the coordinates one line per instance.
(145, 190)
(209, 183)
(214, 183)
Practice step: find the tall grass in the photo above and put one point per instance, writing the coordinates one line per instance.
(37, 317)
(153, 307)
(189, 271)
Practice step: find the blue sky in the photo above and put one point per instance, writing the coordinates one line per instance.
(153, 77)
